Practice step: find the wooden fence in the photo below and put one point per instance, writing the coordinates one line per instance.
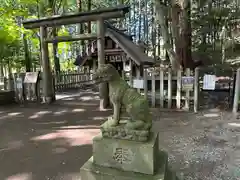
(62, 81)
(68, 80)
(164, 88)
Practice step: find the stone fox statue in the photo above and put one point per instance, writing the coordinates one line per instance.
(122, 95)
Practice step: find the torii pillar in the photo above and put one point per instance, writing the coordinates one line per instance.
(48, 87)
(103, 87)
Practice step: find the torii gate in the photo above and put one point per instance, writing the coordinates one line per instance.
(96, 15)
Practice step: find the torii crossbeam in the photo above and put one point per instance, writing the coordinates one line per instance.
(95, 15)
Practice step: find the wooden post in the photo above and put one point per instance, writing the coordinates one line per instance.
(179, 88)
(145, 76)
(187, 96)
(103, 88)
(123, 70)
(153, 90)
(48, 90)
(169, 88)
(138, 76)
(236, 92)
(161, 88)
(94, 66)
(196, 89)
(131, 73)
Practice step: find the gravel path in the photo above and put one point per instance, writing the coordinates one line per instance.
(41, 142)
(202, 146)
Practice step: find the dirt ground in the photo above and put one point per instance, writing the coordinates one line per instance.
(41, 142)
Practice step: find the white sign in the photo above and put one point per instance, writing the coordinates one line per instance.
(187, 82)
(31, 77)
(19, 83)
(209, 82)
(137, 83)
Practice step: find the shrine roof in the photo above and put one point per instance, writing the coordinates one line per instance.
(126, 44)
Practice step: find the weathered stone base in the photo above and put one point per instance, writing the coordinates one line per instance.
(127, 155)
(91, 171)
(120, 132)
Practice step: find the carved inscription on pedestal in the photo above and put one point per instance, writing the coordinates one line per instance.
(123, 155)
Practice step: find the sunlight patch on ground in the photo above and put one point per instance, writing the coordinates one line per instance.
(60, 112)
(99, 118)
(20, 176)
(88, 98)
(69, 99)
(78, 110)
(14, 113)
(234, 124)
(11, 114)
(211, 115)
(39, 114)
(74, 137)
(58, 122)
(78, 127)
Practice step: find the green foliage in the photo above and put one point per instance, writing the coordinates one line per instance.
(208, 19)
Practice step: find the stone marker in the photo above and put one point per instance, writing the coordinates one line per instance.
(126, 149)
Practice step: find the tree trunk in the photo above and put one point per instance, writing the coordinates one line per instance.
(80, 27)
(55, 52)
(27, 57)
(1, 70)
(55, 44)
(89, 9)
(181, 30)
(89, 26)
(140, 20)
(175, 16)
(160, 19)
(186, 35)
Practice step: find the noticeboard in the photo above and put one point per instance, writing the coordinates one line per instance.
(187, 82)
(137, 83)
(19, 83)
(31, 77)
(209, 82)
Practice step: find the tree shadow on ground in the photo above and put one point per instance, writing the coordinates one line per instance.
(41, 142)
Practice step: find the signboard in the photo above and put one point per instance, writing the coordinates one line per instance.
(31, 77)
(187, 82)
(19, 83)
(137, 83)
(115, 58)
(209, 82)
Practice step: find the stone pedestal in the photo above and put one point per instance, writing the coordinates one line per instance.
(115, 159)
(126, 155)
